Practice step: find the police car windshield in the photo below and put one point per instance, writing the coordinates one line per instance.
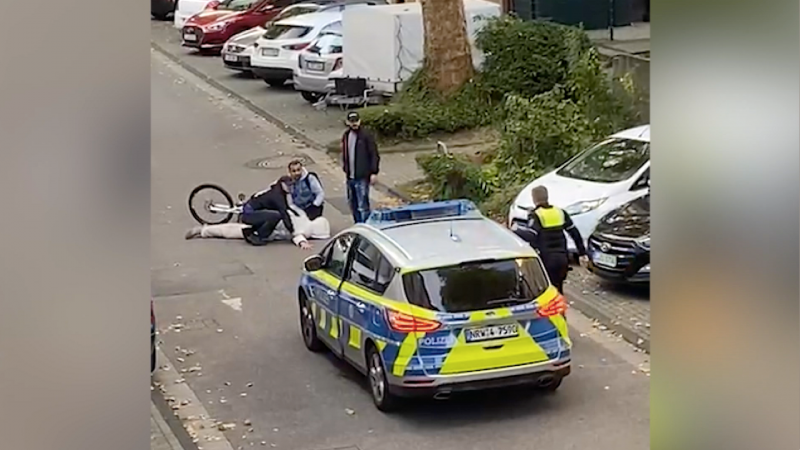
(609, 162)
(477, 285)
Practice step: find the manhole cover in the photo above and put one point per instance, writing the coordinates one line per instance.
(280, 162)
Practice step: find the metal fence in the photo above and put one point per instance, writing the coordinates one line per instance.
(639, 69)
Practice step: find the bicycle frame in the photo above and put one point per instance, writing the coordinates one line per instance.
(223, 209)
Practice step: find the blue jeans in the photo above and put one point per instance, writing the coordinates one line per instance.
(358, 199)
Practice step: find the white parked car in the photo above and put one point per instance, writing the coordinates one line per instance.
(318, 65)
(275, 58)
(597, 180)
(238, 50)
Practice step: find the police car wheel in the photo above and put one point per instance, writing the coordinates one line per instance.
(378, 385)
(308, 327)
(552, 387)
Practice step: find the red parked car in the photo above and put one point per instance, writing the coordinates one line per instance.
(211, 28)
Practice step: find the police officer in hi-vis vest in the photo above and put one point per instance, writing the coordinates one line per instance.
(545, 232)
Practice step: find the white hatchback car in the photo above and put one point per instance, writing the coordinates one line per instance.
(275, 58)
(238, 50)
(597, 180)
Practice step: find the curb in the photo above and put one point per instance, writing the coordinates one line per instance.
(581, 304)
(275, 120)
(586, 307)
(172, 422)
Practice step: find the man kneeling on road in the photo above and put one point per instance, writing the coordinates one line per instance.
(307, 191)
(267, 217)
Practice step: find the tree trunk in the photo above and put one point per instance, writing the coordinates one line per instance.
(448, 56)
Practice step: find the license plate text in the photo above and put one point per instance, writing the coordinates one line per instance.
(491, 333)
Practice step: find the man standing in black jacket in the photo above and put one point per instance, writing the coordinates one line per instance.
(547, 226)
(361, 163)
(265, 210)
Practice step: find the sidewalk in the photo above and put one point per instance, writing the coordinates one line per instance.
(161, 437)
(630, 40)
(318, 129)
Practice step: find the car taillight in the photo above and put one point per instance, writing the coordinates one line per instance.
(296, 46)
(212, 4)
(338, 64)
(406, 323)
(554, 307)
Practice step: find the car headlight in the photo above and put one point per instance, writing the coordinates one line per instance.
(584, 207)
(644, 242)
(217, 26)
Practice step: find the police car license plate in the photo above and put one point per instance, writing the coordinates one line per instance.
(603, 259)
(491, 333)
(270, 51)
(317, 66)
(231, 58)
(189, 37)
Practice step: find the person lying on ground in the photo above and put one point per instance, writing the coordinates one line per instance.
(305, 230)
(307, 192)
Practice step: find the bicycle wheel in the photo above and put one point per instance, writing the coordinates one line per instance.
(207, 195)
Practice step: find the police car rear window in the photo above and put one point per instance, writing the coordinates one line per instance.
(476, 285)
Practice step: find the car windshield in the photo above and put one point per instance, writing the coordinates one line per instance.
(327, 44)
(235, 5)
(343, 6)
(276, 31)
(609, 162)
(291, 12)
(476, 285)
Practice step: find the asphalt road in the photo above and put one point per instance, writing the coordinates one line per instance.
(237, 308)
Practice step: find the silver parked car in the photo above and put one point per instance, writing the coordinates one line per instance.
(318, 64)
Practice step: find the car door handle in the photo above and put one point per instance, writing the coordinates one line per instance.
(361, 307)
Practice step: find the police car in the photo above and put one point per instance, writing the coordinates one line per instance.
(433, 299)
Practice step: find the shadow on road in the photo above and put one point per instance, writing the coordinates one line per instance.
(463, 409)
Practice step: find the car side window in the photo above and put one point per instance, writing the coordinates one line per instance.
(384, 275)
(643, 182)
(336, 259)
(335, 27)
(363, 271)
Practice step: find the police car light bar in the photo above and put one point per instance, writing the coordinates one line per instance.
(424, 211)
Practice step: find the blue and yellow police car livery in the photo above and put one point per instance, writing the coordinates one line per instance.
(433, 299)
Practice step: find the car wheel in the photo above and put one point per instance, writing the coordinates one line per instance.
(308, 327)
(378, 385)
(160, 15)
(275, 82)
(311, 97)
(152, 360)
(552, 387)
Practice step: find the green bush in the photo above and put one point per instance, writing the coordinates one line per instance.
(527, 58)
(539, 134)
(455, 176)
(496, 205)
(418, 113)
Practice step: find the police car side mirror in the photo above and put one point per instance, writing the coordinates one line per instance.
(313, 263)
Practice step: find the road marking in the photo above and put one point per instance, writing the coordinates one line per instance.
(234, 303)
